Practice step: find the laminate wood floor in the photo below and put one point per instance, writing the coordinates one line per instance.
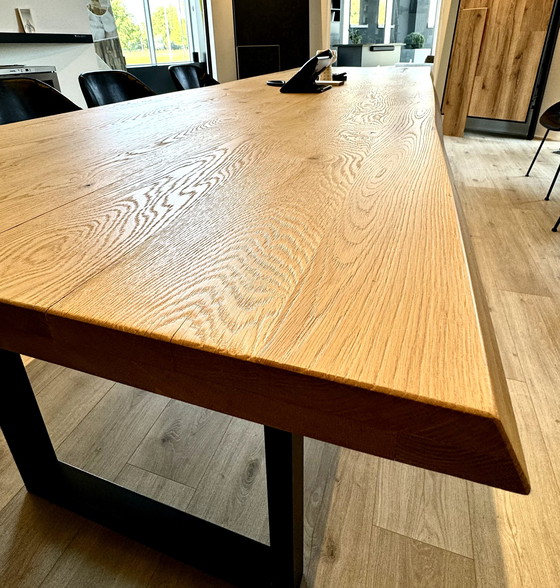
(369, 522)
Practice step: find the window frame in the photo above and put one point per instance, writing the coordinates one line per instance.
(188, 8)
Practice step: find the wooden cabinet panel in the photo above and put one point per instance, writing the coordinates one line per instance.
(269, 23)
(464, 59)
(511, 50)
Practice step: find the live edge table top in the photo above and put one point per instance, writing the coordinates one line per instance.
(296, 260)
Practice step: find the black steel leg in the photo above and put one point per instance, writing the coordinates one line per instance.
(555, 227)
(284, 477)
(547, 197)
(220, 552)
(24, 428)
(537, 153)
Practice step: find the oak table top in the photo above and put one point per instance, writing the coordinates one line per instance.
(296, 260)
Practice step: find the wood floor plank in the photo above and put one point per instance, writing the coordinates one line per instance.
(98, 557)
(40, 373)
(61, 398)
(533, 226)
(516, 537)
(344, 559)
(33, 535)
(104, 442)
(70, 397)
(423, 505)
(181, 443)
(10, 480)
(509, 262)
(537, 326)
(515, 540)
(400, 562)
(320, 467)
(232, 494)
(156, 487)
(173, 574)
(505, 337)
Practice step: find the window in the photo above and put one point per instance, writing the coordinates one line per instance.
(154, 31)
(358, 12)
(382, 14)
(390, 21)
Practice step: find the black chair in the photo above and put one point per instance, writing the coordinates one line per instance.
(186, 76)
(27, 98)
(550, 120)
(110, 86)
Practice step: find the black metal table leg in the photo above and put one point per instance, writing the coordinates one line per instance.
(555, 227)
(233, 557)
(284, 477)
(24, 428)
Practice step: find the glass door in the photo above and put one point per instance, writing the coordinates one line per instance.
(410, 23)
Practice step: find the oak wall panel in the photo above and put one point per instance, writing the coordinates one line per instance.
(462, 70)
(509, 58)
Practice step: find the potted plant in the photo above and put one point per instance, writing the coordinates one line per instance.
(414, 40)
(354, 37)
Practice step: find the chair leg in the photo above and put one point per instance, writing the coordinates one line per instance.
(547, 197)
(537, 153)
(555, 227)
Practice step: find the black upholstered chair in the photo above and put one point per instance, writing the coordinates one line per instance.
(27, 98)
(110, 86)
(186, 76)
(550, 120)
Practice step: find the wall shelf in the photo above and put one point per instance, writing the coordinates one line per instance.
(45, 38)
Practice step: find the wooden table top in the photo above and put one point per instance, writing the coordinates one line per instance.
(293, 259)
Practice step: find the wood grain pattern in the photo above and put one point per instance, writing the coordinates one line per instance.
(467, 4)
(233, 272)
(509, 58)
(358, 553)
(181, 444)
(101, 558)
(350, 525)
(233, 492)
(33, 536)
(10, 480)
(506, 530)
(513, 537)
(154, 486)
(114, 431)
(415, 564)
(462, 69)
(427, 507)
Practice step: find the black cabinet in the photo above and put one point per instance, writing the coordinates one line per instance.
(270, 35)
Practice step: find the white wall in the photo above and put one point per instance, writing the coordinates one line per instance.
(52, 16)
(319, 25)
(222, 40)
(49, 16)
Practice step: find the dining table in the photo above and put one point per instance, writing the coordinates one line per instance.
(297, 260)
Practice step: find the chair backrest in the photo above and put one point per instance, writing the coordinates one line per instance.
(186, 76)
(27, 98)
(550, 118)
(110, 86)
